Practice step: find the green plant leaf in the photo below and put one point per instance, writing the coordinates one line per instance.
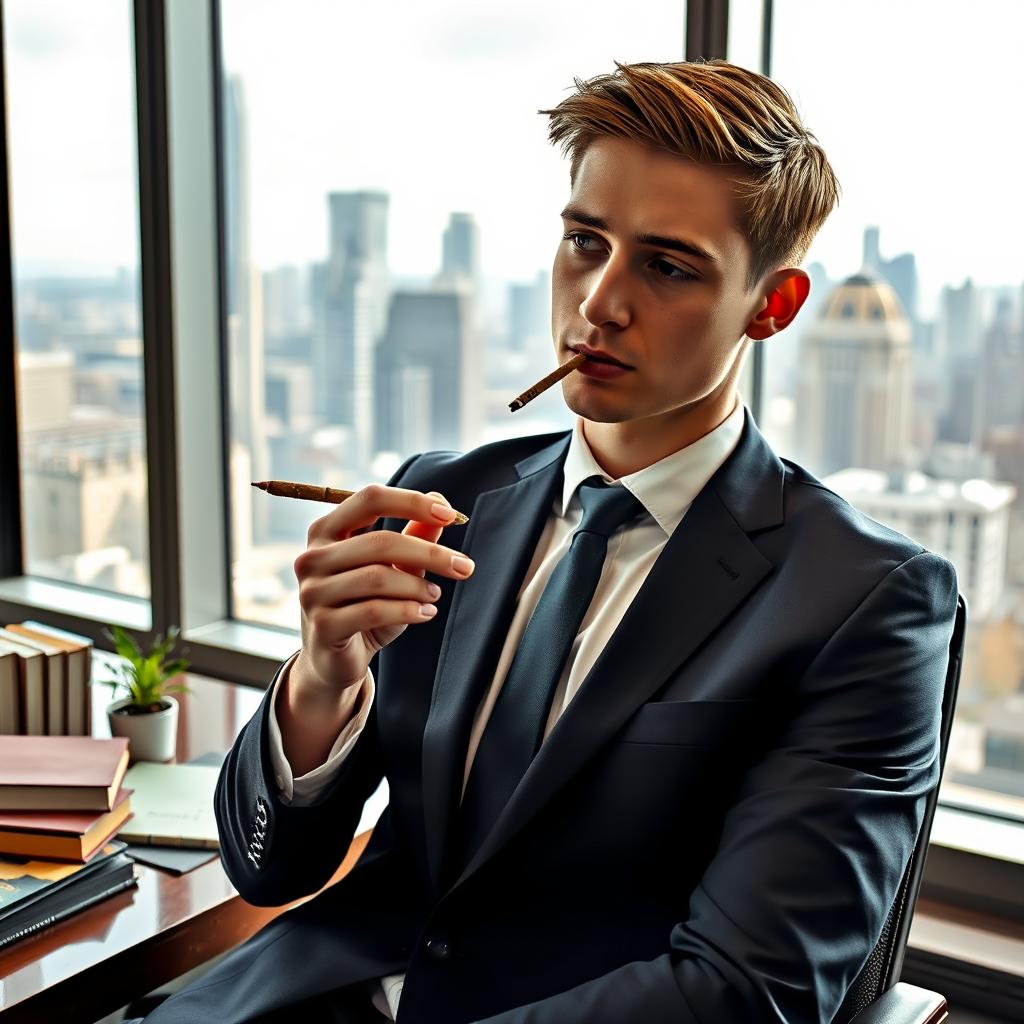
(145, 677)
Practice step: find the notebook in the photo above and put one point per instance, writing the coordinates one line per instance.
(172, 805)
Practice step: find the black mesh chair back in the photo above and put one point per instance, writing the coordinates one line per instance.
(883, 966)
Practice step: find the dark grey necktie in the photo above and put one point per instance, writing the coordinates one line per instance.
(515, 729)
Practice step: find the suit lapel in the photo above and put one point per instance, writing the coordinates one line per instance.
(706, 569)
(701, 576)
(504, 530)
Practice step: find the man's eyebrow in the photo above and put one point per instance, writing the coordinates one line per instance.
(660, 241)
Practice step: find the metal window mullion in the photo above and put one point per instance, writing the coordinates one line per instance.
(757, 386)
(707, 29)
(157, 311)
(707, 36)
(203, 479)
(11, 559)
(216, 56)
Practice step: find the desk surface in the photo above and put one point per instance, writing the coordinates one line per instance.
(129, 944)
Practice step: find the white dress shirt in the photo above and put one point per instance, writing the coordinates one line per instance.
(666, 489)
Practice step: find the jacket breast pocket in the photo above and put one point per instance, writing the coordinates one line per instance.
(690, 723)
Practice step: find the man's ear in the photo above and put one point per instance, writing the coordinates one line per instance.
(785, 294)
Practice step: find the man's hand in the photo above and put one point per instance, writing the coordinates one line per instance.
(359, 590)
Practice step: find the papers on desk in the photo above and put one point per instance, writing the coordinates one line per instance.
(172, 805)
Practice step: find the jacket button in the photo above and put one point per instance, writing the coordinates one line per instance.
(438, 949)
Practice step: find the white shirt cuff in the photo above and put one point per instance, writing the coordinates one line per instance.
(302, 791)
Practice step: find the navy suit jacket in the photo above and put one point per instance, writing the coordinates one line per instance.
(713, 831)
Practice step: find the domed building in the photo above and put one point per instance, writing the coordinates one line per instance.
(855, 383)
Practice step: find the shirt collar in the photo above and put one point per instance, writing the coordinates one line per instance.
(667, 487)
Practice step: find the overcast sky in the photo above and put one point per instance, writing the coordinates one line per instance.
(918, 110)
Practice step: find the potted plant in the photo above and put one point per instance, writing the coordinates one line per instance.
(148, 715)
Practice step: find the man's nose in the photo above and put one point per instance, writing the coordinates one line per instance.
(608, 299)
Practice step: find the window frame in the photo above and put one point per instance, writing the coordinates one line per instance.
(179, 135)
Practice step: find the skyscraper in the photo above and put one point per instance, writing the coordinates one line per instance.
(460, 251)
(855, 386)
(900, 272)
(352, 316)
(958, 347)
(529, 316)
(430, 383)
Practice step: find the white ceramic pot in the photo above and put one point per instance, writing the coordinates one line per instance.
(152, 736)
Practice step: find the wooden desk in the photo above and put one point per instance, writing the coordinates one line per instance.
(94, 962)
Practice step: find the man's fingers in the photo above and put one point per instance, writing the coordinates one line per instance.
(369, 504)
(415, 528)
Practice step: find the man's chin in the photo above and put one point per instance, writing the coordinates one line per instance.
(595, 410)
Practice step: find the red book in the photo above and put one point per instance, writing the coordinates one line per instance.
(61, 773)
(62, 835)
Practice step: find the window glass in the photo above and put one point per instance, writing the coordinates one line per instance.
(392, 213)
(74, 212)
(900, 383)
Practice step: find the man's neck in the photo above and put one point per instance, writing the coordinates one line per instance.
(627, 447)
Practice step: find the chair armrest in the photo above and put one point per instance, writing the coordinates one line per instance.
(905, 1004)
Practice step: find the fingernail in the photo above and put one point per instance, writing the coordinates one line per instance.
(428, 610)
(433, 590)
(442, 511)
(461, 564)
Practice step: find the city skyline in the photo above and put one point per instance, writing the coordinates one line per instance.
(385, 293)
(62, 71)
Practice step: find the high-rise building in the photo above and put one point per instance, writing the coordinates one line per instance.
(352, 315)
(960, 321)
(460, 251)
(529, 316)
(855, 386)
(287, 315)
(46, 389)
(965, 521)
(430, 384)
(85, 484)
(1003, 370)
(900, 272)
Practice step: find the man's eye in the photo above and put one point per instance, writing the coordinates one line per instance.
(684, 275)
(573, 235)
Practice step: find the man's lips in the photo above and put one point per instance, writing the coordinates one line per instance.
(598, 356)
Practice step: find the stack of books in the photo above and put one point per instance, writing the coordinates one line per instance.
(61, 803)
(44, 681)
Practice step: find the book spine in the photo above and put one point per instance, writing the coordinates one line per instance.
(45, 922)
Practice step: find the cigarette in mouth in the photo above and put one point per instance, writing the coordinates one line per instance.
(552, 378)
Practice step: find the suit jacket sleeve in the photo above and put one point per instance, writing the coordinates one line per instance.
(274, 852)
(814, 846)
(309, 788)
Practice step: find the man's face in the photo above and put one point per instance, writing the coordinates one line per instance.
(675, 317)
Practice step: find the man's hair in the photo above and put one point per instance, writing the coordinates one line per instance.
(714, 112)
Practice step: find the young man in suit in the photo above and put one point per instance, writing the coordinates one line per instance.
(662, 753)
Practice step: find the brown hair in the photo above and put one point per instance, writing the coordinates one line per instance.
(717, 113)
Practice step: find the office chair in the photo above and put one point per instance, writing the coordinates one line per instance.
(875, 997)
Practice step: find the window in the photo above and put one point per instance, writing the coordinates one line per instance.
(308, 177)
(74, 213)
(391, 215)
(922, 416)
